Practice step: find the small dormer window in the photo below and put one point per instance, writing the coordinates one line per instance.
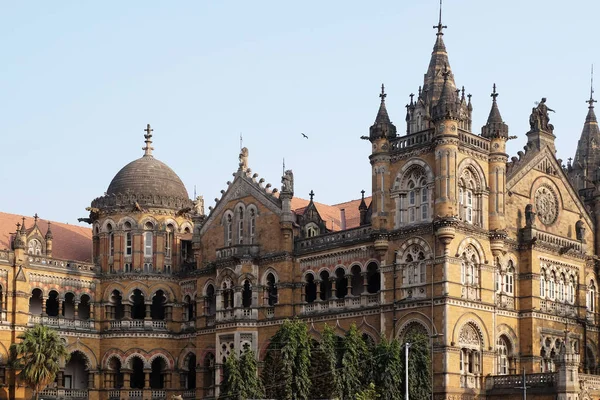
(35, 247)
(312, 230)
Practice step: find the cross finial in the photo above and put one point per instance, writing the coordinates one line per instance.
(362, 192)
(411, 97)
(439, 26)
(311, 194)
(463, 93)
(494, 93)
(148, 136)
(35, 218)
(469, 97)
(383, 95)
(446, 72)
(18, 227)
(591, 101)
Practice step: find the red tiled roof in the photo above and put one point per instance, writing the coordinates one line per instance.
(70, 242)
(332, 214)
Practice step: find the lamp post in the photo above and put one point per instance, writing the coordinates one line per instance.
(406, 347)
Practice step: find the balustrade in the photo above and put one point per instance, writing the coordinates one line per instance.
(514, 381)
(348, 302)
(63, 264)
(334, 238)
(71, 394)
(60, 322)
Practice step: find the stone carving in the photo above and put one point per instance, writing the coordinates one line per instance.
(244, 159)
(468, 335)
(199, 205)
(538, 120)
(580, 230)
(546, 205)
(287, 181)
(529, 216)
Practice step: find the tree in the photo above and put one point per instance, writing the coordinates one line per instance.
(326, 383)
(368, 394)
(419, 364)
(354, 361)
(38, 356)
(387, 369)
(232, 378)
(293, 345)
(251, 385)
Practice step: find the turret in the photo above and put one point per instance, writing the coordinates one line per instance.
(380, 134)
(49, 238)
(363, 209)
(497, 131)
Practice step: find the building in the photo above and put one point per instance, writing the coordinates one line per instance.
(495, 259)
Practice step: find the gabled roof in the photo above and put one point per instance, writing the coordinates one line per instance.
(332, 214)
(70, 242)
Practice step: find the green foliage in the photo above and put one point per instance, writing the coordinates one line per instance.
(354, 359)
(293, 345)
(326, 380)
(368, 394)
(38, 357)
(419, 364)
(271, 374)
(232, 385)
(387, 370)
(251, 385)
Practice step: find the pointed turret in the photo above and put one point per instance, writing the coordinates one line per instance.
(495, 126)
(363, 209)
(383, 127)
(438, 65)
(448, 105)
(49, 238)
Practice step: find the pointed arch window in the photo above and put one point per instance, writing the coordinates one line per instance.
(35, 247)
(561, 288)
(148, 240)
(229, 229)
(128, 239)
(169, 241)
(415, 268)
(591, 297)
(240, 225)
(551, 286)
(469, 205)
(502, 348)
(571, 290)
(414, 197)
(111, 240)
(252, 225)
(543, 284)
(509, 278)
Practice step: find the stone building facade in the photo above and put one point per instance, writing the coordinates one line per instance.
(494, 258)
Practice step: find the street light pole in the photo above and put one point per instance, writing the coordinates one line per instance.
(406, 347)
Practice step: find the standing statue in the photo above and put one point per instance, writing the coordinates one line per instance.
(287, 181)
(529, 216)
(244, 159)
(539, 118)
(199, 205)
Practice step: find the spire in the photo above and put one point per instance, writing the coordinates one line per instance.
(587, 155)
(362, 205)
(446, 106)
(591, 117)
(382, 127)
(23, 229)
(148, 136)
(49, 235)
(438, 64)
(494, 127)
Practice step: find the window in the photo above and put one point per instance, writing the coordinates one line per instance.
(229, 229)
(241, 225)
(509, 278)
(312, 230)
(252, 225)
(571, 290)
(561, 288)
(543, 284)
(415, 269)
(111, 240)
(469, 206)
(169, 241)
(148, 244)
(127, 267)
(463, 272)
(128, 239)
(551, 287)
(413, 201)
(591, 297)
(502, 351)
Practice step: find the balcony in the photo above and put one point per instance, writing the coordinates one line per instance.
(61, 322)
(138, 324)
(72, 394)
(62, 264)
(232, 314)
(347, 303)
(238, 251)
(545, 380)
(557, 308)
(333, 239)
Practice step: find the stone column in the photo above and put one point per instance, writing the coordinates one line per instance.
(127, 311)
(148, 314)
(349, 284)
(147, 378)
(332, 280)
(60, 379)
(90, 380)
(126, 378)
(76, 310)
(61, 305)
(44, 300)
(318, 285)
(92, 311)
(365, 282)
(303, 292)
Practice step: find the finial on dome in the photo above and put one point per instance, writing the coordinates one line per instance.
(382, 95)
(148, 136)
(494, 93)
(591, 101)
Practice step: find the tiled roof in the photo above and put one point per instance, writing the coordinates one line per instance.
(70, 242)
(331, 214)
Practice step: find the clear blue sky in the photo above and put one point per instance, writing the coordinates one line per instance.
(80, 80)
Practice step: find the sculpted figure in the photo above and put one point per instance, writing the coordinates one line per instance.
(199, 205)
(287, 181)
(539, 118)
(244, 159)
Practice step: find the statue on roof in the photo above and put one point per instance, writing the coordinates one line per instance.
(244, 158)
(199, 205)
(287, 181)
(539, 118)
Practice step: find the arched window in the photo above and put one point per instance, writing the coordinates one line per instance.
(470, 354)
(561, 288)
(35, 247)
(210, 300)
(543, 284)
(227, 294)
(502, 348)
(111, 240)
(247, 294)
(509, 278)
(311, 230)
(148, 240)
(341, 283)
(128, 239)
(415, 269)
(591, 297)
(413, 202)
(229, 229)
(169, 241)
(325, 286)
(571, 290)
(373, 278)
(469, 270)
(551, 286)
(252, 225)
(468, 189)
(241, 225)
(310, 289)
(271, 290)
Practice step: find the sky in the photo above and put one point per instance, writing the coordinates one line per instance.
(80, 81)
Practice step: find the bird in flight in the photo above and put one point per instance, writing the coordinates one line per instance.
(304, 135)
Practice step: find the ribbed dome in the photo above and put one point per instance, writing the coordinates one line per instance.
(147, 176)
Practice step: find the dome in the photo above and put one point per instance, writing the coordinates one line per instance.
(147, 176)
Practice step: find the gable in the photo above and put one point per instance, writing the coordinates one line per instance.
(242, 187)
(543, 165)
